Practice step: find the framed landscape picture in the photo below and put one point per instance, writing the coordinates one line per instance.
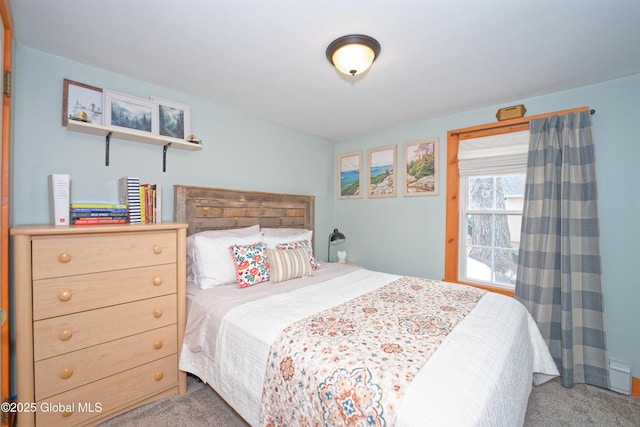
(78, 98)
(174, 119)
(350, 175)
(421, 168)
(382, 172)
(129, 112)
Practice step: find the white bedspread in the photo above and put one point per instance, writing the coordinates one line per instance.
(480, 375)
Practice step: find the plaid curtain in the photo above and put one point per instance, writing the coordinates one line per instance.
(559, 278)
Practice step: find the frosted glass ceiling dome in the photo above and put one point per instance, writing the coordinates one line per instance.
(353, 54)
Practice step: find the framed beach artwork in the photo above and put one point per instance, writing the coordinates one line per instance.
(174, 119)
(129, 112)
(78, 98)
(350, 175)
(382, 172)
(421, 168)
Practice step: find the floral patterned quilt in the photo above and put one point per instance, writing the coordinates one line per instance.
(351, 364)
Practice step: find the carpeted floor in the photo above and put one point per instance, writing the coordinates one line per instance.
(199, 407)
(550, 405)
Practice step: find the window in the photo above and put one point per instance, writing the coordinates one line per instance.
(485, 155)
(485, 189)
(492, 171)
(490, 219)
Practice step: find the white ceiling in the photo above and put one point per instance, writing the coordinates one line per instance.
(267, 58)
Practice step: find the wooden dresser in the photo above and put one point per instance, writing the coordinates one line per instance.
(99, 316)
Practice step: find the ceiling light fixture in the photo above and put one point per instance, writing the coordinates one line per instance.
(353, 54)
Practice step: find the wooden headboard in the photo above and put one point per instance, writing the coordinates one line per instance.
(217, 208)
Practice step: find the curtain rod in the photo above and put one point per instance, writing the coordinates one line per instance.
(506, 125)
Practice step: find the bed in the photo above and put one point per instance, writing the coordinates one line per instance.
(332, 344)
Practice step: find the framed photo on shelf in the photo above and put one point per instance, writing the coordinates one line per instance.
(129, 112)
(382, 172)
(350, 175)
(80, 98)
(174, 119)
(421, 168)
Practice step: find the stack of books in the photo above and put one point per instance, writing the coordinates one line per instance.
(144, 200)
(99, 213)
(150, 203)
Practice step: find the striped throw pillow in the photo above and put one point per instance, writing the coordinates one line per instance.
(288, 264)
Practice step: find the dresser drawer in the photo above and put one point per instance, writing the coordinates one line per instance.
(56, 256)
(61, 373)
(65, 295)
(63, 334)
(109, 394)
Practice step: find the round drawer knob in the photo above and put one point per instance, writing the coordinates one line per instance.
(157, 281)
(157, 249)
(158, 376)
(67, 413)
(157, 344)
(66, 373)
(64, 296)
(64, 257)
(65, 335)
(157, 312)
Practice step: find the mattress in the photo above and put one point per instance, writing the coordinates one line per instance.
(481, 373)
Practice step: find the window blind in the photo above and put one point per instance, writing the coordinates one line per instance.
(494, 155)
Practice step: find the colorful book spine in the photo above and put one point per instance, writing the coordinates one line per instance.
(99, 215)
(158, 204)
(129, 194)
(143, 203)
(97, 221)
(84, 214)
(94, 206)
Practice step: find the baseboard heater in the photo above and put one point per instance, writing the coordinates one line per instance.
(620, 377)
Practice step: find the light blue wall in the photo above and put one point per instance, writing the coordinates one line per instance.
(239, 151)
(406, 235)
(402, 235)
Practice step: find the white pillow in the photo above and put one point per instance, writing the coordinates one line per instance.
(277, 236)
(209, 262)
(215, 233)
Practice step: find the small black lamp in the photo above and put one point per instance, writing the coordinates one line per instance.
(334, 238)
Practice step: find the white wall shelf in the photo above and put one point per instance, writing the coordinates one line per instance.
(132, 135)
